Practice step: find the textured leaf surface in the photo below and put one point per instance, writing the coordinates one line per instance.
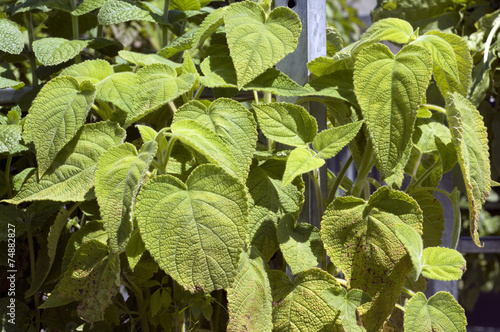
(219, 72)
(119, 175)
(10, 136)
(300, 244)
(231, 121)
(347, 303)
(471, 142)
(209, 25)
(249, 298)
(120, 89)
(143, 59)
(443, 264)
(55, 116)
(195, 231)
(208, 143)
(71, 176)
(299, 162)
(12, 39)
(277, 83)
(329, 142)
(53, 51)
(257, 43)
(361, 239)
(286, 123)
(268, 202)
(87, 6)
(92, 70)
(305, 308)
(441, 313)
(116, 11)
(337, 85)
(389, 91)
(158, 84)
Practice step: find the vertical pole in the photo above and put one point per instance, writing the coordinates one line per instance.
(312, 44)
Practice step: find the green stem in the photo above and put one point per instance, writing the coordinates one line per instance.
(424, 176)
(140, 303)
(342, 281)
(33, 277)
(166, 156)
(198, 93)
(28, 21)
(164, 27)
(75, 28)
(256, 96)
(434, 108)
(455, 235)
(409, 291)
(338, 180)
(268, 97)
(400, 307)
(496, 25)
(217, 311)
(366, 166)
(172, 106)
(444, 192)
(308, 99)
(7, 176)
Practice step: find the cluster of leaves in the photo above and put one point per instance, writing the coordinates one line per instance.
(153, 207)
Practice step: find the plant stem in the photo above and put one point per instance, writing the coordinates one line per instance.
(444, 192)
(33, 276)
(164, 27)
(400, 307)
(338, 180)
(172, 106)
(198, 93)
(7, 176)
(434, 108)
(409, 291)
(341, 281)
(455, 235)
(166, 156)
(365, 168)
(75, 28)
(28, 19)
(256, 96)
(268, 97)
(216, 318)
(424, 176)
(140, 303)
(496, 25)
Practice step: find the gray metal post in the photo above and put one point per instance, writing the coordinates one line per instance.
(312, 44)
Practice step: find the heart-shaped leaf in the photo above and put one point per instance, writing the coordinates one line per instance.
(92, 70)
(443, 264)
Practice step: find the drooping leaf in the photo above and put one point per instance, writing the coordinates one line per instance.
(135, 249)
(231, 121)
(119, 175)
(257, 42)
(52, 51)
(347, 303)
(300, 244)
(334, 42)
(412, 242)
(390, 90)
(300, 162)
(361, 239)
(10, 136)
(92, 70)
(268, 202)
(433, 219)
(286, 123)
(443, 264)
(329, 142)
(250, 298)
(12, 39)
(195, 231)
(208, 143)
(117, 11)
(304, 306)
(441, 313)
(471, 142)
(55, 116)
(71, 175)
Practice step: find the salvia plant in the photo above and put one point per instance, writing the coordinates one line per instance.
(142, 200)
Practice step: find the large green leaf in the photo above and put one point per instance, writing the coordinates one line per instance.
(209, 25)
(208, 143)
(257, 42)
(299, 162)
(231, 121)
(329, 142)
(12, 39)
(117, 11)
(275, 82)
(249, 298)
(347, 303)
(55, 116)
(10, 136)
(471, 142)
(389, 91)
(92, 70)
(361, 238)
(52, 51)
(71, 175)
(441, 313)
(219, 72)
(303, 307)
(443, 264)
(119, 175)
(286, 123)
(300, 244)
(268, 202)
(195, 231)
(338, 85)
(433, 219)
(158, 84)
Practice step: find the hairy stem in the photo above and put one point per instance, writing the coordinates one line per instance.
(75, 28)
(166, 155)
(496, 25)
(28, 19)
(457, 226)
(366, 166)
(409, 291)
(338, 179)
(140, 303)
(434, 108)
(164, 27)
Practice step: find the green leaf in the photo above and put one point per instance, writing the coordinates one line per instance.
(334, 42)
(412, 242)
(92, 70)
(185, 5)
(119, 175)
(208, 143)
(53, 51)
(277, 83)
(119, 89)
(433, 222)
(135, 249)
(116, 11)
(268, 202)
(87, 6)
(338, 85)
(257, 42)
(158, 84)
(322, 65)
(219, 72)
(10, 136)
(299, 162)
(305, 307)
(195, 231)
(142, 59)
(55, 116)
(71, 176)
(441, 313)
(286, 123)
(93, 280)
(471, 142)
(249, 298)
(12, 40)
(361, 239)
(179, 44)
(231, 121)
(209, 25)
(347, 303)
(389, 91)
(443, 264)
(300, 244)
(329, 142)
